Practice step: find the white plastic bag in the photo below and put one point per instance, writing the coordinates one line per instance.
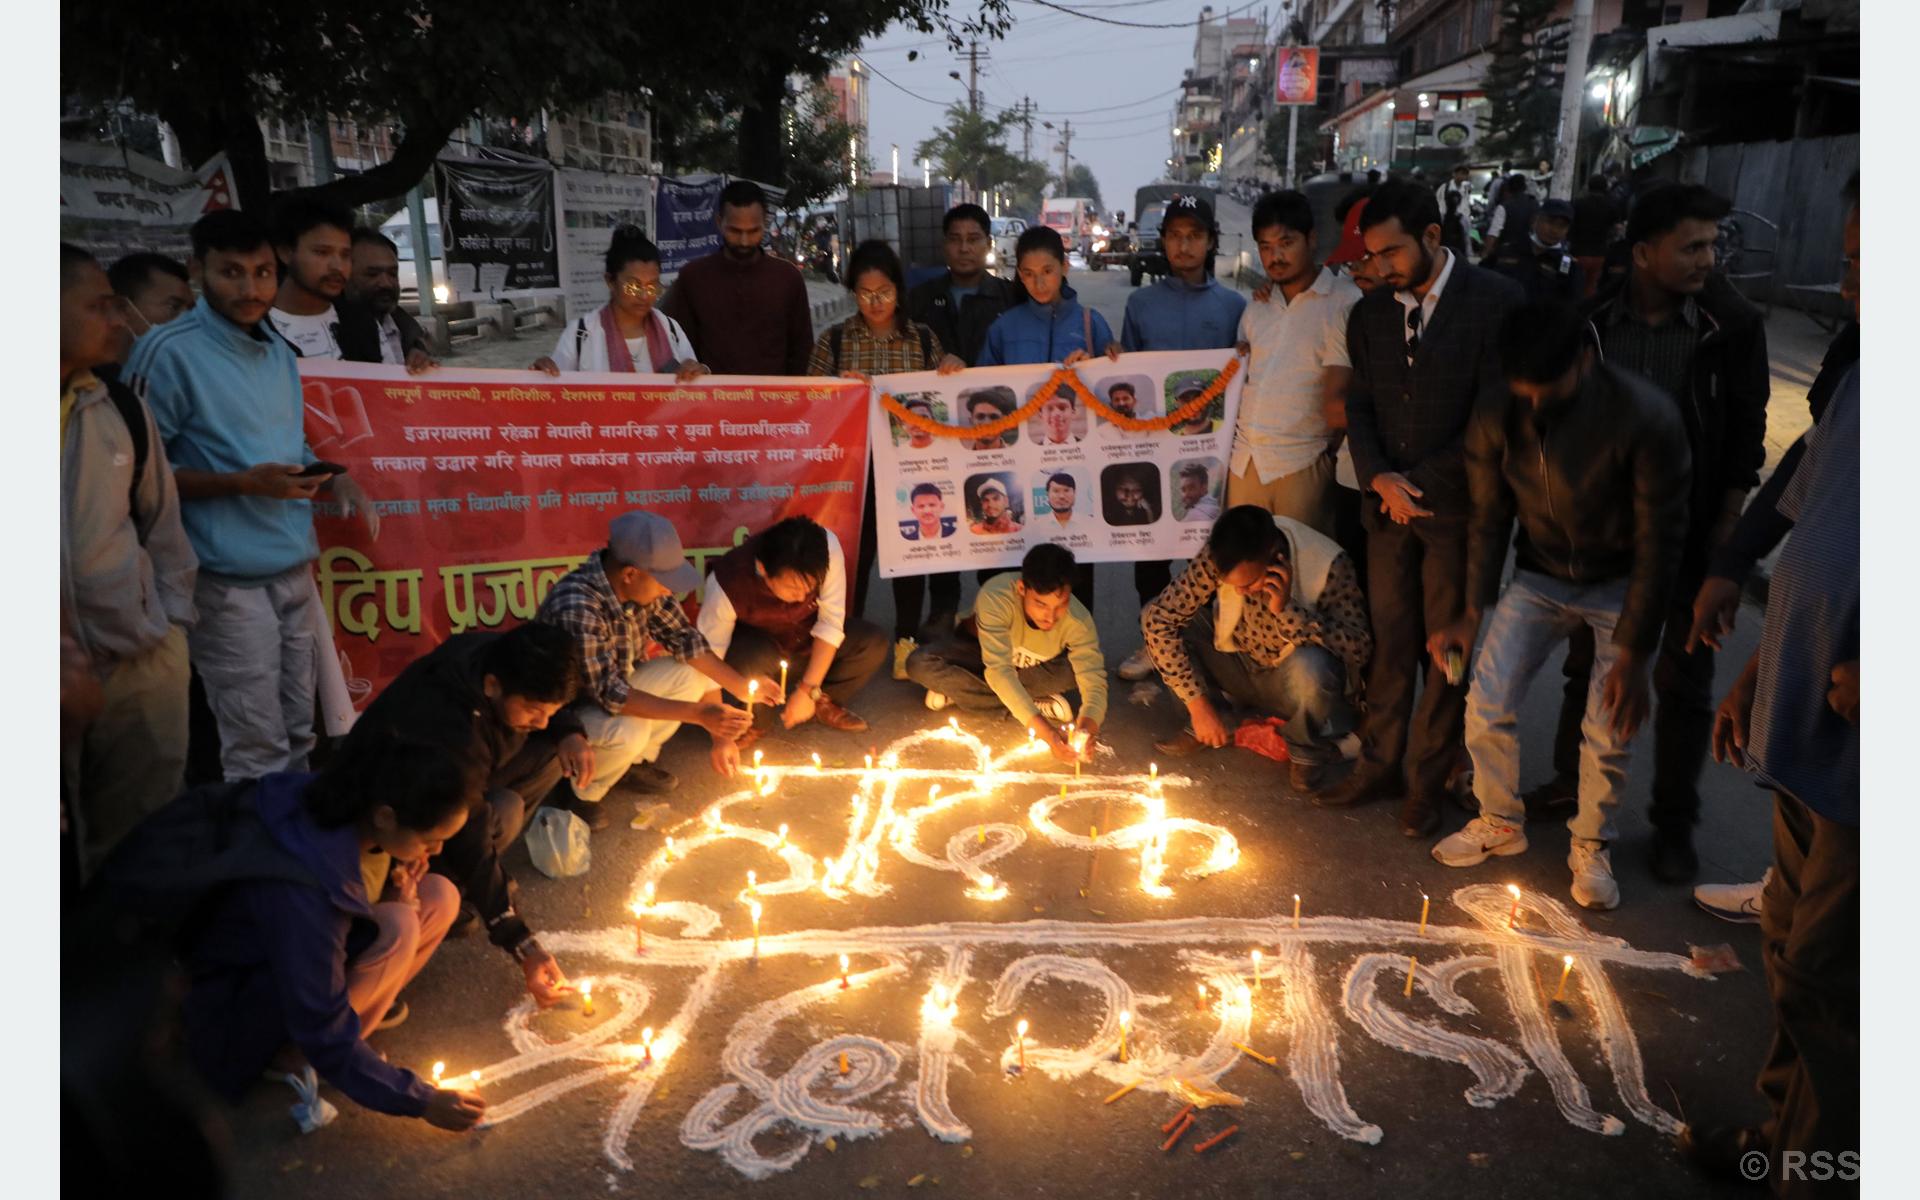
(558, 842)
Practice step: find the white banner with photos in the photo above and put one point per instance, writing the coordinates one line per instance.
(1064, 474)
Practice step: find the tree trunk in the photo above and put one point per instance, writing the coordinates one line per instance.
(762, 150)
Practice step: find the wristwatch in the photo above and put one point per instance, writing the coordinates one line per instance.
(816, 694)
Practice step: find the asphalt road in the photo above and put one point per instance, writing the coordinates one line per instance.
(1700, 1040)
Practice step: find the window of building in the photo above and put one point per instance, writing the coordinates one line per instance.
(1482, 29)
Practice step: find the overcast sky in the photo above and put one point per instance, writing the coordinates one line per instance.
(1117, 86)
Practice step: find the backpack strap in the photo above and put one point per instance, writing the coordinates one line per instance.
(127, 402)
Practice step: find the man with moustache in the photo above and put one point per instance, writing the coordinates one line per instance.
(984, 408)
(1424, 356)
(996, 513)
(373, 294)
(314, 243)
(745, 311)
(1128, 504)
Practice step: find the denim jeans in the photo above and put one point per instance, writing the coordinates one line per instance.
(1306, 689)
(1534, 615)
(955, 669)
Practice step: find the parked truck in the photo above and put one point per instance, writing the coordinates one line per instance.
(1072, 218)
(1150, 207)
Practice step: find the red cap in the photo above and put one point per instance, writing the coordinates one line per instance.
(1351, 248)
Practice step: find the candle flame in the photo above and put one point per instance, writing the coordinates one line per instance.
(783, 833)
(475, 1076)
(669, 849)
(439, 1069)
(1513, 891)
(1567, 959)
(816, 760)
(752, 883)
(869, 762)
(843, 964)
(953, 723)
(1245, 994)
(1203, 991)
(646, 1037)
(1126, 1018)
(586, 987)
(649, 892)
(757, 756)
(1153, 770)
(753, 907)
(1020, 1030)
(753, 686)
(783, 664)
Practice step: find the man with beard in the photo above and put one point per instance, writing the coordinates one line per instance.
(1123, 399)
(314, 242)
(1593, 462)
(1061, 493)
(745, 311)
(996, 514)
(1423, 357)
(1128, 504)
(374, 288)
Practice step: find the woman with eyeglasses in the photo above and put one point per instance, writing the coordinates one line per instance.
(879, 339)
(627, 334)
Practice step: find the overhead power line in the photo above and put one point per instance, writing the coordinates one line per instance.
(1087, 16)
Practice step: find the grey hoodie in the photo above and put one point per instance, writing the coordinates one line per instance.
(124, 575)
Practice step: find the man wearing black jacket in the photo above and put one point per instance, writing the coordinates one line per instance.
(373, 326)
(1593, 461)
(959, 305)
(500, 697)
(1690, 332)
(1423, 354)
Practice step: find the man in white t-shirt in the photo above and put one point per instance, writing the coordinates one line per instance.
(1296, 342)
(314, 242)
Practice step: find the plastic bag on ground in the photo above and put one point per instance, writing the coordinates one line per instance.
(558, 842)
(1262, 736)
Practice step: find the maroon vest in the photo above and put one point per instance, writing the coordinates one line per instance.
(790, 625)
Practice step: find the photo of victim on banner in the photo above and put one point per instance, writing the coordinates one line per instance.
(1116, 460)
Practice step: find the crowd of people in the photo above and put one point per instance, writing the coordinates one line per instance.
(1404, 411)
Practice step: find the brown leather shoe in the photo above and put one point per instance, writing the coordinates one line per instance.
(828, 712)
(1180, 744)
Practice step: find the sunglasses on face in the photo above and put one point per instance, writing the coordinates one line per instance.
(638, 290)
(886, 296)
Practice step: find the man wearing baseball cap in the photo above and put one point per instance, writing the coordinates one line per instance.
(1545, 265)
(996, 511)
(615, 603)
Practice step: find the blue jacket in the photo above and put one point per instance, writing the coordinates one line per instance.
(1175, 315)
(1043, 333)
(225, 399)
(269, 966)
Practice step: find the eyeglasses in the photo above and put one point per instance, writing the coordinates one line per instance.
(887, 296)
(638, 290)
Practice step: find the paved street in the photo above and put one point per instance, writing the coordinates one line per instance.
(1360, 884)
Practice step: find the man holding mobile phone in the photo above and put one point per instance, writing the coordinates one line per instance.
(225, 396)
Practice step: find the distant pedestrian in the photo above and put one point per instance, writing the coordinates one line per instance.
(745, 312)
(1511, 224)
(126, 576)
(226, 400)
(1455, 199)
(1544, 267)
(628, 333)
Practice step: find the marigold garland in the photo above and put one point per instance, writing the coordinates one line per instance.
(1070, 379)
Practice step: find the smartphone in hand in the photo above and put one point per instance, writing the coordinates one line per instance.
(313, 469)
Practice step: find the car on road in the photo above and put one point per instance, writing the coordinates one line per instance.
(1006, 232)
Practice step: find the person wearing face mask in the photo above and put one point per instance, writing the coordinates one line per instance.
(154, 290)
(373, 293)
(628, 333)
(1593, 462)
(782, 596)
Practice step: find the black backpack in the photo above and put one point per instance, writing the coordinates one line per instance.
(158, 884)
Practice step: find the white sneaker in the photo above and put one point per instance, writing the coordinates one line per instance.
(1481, 839)
(1055, 708)
(936, 701)
(1136, 666)
(901, 649)
(1593, 885)
(1738, 902)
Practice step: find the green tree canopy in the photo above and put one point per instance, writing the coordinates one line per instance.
(1080, 182)
(1522, 84)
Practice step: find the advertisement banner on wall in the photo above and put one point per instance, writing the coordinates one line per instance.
(1044, 460)
(497, 221)
(115, 202)
(491, 485)
(1296, 75)
(683, 220)
(592, 204)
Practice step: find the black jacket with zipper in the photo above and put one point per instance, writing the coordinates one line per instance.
(1724, 408)
(1599, 485)
(962, 328)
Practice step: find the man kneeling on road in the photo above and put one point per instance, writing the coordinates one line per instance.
(615, 603)
(499, 699)
(1594, 461)
(1276, 615)
(781, 596)
(1028, 637)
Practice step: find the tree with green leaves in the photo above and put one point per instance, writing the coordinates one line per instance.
(211, 69)
(1080, 182)
(1522, 84)
(972, 147)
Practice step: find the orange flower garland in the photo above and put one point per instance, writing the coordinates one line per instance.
(1066, 377)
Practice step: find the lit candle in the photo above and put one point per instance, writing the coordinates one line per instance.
(1564, 972)
(753, 690)
(753, 885)
(439, 1069)
(1245, 995)
(1296, 910)
(782, 843)
(1513, 914)
(1200, 999)
(1256, 970)
(1424, 901)
(475, 1078)
(1125, 1018)
(843, 972)
(586, 997)
(646, 894)
(816, 760)
(783, 677)
(953, 724)
(1153, 772)
(639, 930)
(1030, 740)
(646, 1043)
(1020, 1038)
(670, 854)
(753, 907)
(757, 756)
(869, 762)
(843, 1062)
(986, 883)
(1413, 964)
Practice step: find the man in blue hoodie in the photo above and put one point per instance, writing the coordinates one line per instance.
(225, 396)
(1187, 310)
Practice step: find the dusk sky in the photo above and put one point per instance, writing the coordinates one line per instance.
(1117, 85)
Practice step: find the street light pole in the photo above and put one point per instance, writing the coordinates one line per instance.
(1573, 97)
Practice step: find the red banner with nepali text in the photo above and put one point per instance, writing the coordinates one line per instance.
(491, 485)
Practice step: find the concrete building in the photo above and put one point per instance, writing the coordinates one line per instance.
(1227, 57)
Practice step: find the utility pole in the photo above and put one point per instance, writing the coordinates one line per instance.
(1026, 126)
(973, 77)
(1066, 150)
(1573, 96)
